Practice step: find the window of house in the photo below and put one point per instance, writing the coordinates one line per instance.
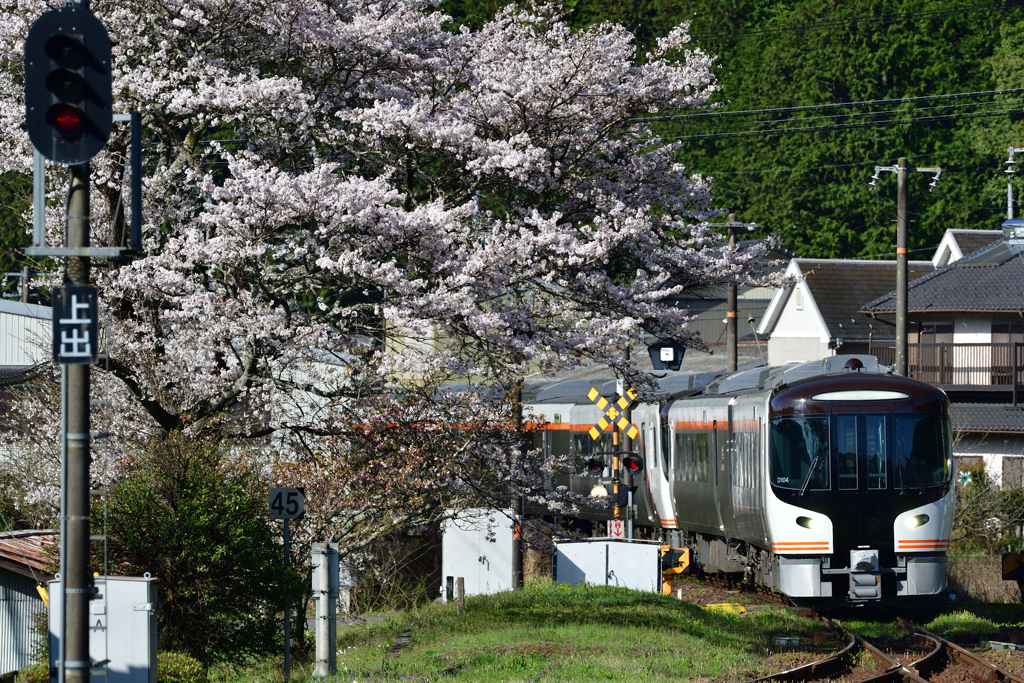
(1004, 333)
(934, 333)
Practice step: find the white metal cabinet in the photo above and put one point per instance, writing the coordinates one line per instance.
(477, 546)
(122, 628)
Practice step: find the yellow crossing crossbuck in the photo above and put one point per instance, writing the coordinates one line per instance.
(613, 414)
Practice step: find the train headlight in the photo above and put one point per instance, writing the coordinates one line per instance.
(917, 520)
(809, 522)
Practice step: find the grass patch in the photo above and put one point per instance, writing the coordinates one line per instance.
(548, 633)
(963, 621)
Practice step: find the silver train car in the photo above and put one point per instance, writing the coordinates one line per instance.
(823, 481)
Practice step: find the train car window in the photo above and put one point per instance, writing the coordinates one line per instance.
(800, 453)
(922, 451)
(559, 442)
(682, 455)
(641, 445)
(846, 452)
(705, 457)
(877, 447)
(666, 448)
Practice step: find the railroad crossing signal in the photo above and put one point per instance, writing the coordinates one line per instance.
(68, 91)
(613, 414)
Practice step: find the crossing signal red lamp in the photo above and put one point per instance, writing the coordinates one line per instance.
(594, 467)
(68, 89)
(633, 464)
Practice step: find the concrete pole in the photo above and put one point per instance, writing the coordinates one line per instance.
(730, 327)
(460, 595)
(901, 267)
(326, 609)
(78, 582)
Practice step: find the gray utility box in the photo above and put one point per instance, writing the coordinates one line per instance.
(477, 546)
(604, 562)
(122, 629)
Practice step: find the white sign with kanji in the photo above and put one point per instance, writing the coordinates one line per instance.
(75, 325)
(616, 528)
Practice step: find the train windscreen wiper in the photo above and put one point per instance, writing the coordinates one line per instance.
(810, 472)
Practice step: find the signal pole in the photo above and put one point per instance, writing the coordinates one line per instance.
(627, 446)
(902, 250)
(78, 582)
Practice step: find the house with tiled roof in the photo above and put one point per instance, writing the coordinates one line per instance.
(957, 243)
(818, 315)
(966, 335)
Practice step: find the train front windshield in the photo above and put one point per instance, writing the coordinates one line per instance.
(860, 451)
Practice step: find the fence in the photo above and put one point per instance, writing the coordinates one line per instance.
(962, 365)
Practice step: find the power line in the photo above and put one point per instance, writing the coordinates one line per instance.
(839, 126)
(879, 162)
(885, 112)
(881, 19)
(821, 107)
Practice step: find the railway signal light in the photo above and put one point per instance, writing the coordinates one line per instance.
(633, 464)
(594, 467)
(68, 91)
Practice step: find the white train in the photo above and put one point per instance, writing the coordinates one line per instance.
(824, 480)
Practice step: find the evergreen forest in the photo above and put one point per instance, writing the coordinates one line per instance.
(815, 94)
(939, 83)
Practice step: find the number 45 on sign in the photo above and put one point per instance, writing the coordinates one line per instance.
(287, 502)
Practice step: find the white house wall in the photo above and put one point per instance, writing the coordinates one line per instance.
(800, 333)
(25, 333)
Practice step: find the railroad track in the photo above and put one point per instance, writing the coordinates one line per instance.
(941, 658)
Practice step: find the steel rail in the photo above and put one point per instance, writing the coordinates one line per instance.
(894, 671)
(819, 669)
(981, 669)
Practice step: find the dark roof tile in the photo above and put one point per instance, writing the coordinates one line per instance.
(991, 279)
(840, 288)
(987, 417)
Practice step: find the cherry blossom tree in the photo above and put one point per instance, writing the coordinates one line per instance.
(343, 197)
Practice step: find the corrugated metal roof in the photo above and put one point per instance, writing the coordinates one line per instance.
(27, 552)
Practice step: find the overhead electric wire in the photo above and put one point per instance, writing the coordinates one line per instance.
(838, 126)
(883, 112)
(854, 21)
(819, 107)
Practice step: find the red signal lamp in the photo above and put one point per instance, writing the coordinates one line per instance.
(594, 467)
(633, 464)
(67, 120)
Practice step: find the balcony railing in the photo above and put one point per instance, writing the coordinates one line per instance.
(991, 366)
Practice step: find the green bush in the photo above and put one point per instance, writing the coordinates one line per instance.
(177, 667)
(36, 673)
(193, 513)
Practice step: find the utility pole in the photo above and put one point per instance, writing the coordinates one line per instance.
(78, 581)
(1009, 181)
(730, 325)
(902, 250)
(902, 257)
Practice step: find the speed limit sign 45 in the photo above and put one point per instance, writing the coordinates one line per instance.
(287, 502)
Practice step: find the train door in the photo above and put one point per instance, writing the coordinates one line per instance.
(724, 475)
(716, 464)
